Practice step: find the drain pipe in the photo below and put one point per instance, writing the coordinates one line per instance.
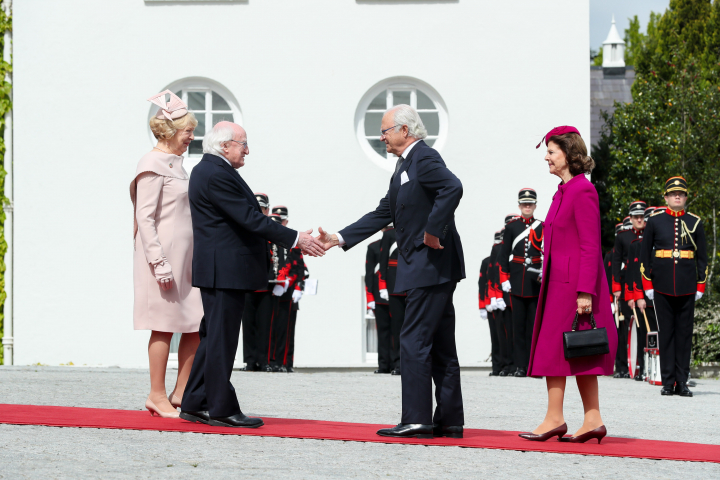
(8, 341)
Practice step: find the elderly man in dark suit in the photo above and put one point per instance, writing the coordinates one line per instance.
(230, 235)
(421, 202)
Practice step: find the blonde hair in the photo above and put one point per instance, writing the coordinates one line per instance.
(165, 129)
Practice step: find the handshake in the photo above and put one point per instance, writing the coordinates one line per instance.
(316, 246)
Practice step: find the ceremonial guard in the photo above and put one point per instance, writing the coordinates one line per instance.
(486, 313)
(258, 311)
(635, 296)
(388, 275)
(674, 268)
(379, 306)
(619, 268)
(500, 303)
(520, 271)
(302, 274)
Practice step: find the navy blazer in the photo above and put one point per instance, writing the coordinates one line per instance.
(230, 232)
(425, 203)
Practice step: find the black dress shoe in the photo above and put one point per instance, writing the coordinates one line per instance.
(267, 368)
(395, 372)
(237, 420)
(450, 431)
(618, 375)
(667, 391)
(282, 368)
(494, 374)
(196, 417)
(520, 373)
(502, 373)
(626, 375)
(405, 430)
(380, 370)
(638, 378)
(290, 369)
(682, 389)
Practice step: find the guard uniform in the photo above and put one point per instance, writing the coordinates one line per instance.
(486, 313)
(289, 279)
(379, 306)
(619, 268)
(303, 274)
(257, 313)
(674, 268)
(520, 260)
(503, 314)
(388, 274)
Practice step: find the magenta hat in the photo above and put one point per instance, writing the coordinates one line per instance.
(558, 131)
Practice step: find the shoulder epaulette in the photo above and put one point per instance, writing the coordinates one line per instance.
(658, 212)
(696, 216)
(513, 220)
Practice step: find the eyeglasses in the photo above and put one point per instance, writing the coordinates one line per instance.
(382, 132)
(244, 145)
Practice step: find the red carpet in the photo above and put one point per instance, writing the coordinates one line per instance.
(356, 432)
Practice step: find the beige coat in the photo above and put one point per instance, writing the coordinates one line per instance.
(163, 230)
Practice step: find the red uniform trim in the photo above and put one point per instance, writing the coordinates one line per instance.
(647, 284)
(701, 287)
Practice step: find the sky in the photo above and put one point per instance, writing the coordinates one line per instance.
(601, 12)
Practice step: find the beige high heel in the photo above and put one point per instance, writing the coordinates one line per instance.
(174, 401)
(154, 410)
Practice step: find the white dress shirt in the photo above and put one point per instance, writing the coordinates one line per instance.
(405, 154)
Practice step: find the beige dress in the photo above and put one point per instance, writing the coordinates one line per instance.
(163, 231)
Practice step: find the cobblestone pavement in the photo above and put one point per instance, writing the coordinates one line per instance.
(629, 409)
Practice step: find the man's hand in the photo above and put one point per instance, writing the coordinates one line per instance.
(650, 294)
(631, 304)
(433, 242)
(310, 245)
(617, 295)
(501, 304)
(506, 286)
(483, 314)
(384, 294)
(641, 304)
(328, 240)
(698, 295)
(371, 305)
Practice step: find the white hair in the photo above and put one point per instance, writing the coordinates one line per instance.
(407, 115)
(215, 138)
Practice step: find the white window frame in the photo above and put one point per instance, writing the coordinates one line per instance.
(396, 84)
(199, 84)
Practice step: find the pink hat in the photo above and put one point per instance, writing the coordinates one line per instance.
(558, 131)
(171, 110)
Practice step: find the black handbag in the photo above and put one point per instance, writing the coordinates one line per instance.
(584, 343)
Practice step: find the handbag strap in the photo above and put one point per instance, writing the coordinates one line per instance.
(577, 316)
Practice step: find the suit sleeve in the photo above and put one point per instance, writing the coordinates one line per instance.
(504, 255)
(587, 219)
(433, 175)
(702, 260)
(368, 225)
(229, 199)
(149, 188)
(646, 255)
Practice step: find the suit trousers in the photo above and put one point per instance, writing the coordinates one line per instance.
(397, 318)
(523, 320)
(675, 317)
(281, 333)
(209, 387)
(382, 321)
(495, 357)
(621, 360)
(256, 327)
(642, 334)
(428, 354)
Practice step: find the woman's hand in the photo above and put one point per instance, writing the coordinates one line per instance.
(584, 303)
(163, 274)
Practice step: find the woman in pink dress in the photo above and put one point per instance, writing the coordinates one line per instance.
(165, 300)
(573, 281)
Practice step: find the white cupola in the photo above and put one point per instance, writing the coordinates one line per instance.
(613, 48)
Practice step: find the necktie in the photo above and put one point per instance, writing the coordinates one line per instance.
(398, 165)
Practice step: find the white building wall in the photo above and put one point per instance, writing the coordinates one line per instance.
(507, 71)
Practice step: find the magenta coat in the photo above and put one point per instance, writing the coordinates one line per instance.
(573, 263)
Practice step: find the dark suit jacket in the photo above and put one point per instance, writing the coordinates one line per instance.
(230, 233)
(426, 203)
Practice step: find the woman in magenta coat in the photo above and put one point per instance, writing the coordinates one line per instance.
(573, 280)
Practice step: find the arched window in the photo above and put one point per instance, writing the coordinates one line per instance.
(396, 91)
(210, 102)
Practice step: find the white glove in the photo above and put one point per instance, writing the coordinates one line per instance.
(501, 304)
(163, 272)
(384, 294)
(371, 305)
(278, 290)
(296, 296)
(489, 307)
(650, 294)
(612, 307)
(483, 314)
(698, 296)
(493, 304)
(506, 286)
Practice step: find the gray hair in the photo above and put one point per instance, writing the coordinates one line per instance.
(407, 115)
(215, 138)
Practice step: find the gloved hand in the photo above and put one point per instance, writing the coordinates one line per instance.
(493, 303)
(384, 294)
(371, 305)
(506, 286)
(501, 304)
(296, 295)
(483, 314)
(163, 274)
(278, 290)
(698, 296)
(650, 294)
(612, 307)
